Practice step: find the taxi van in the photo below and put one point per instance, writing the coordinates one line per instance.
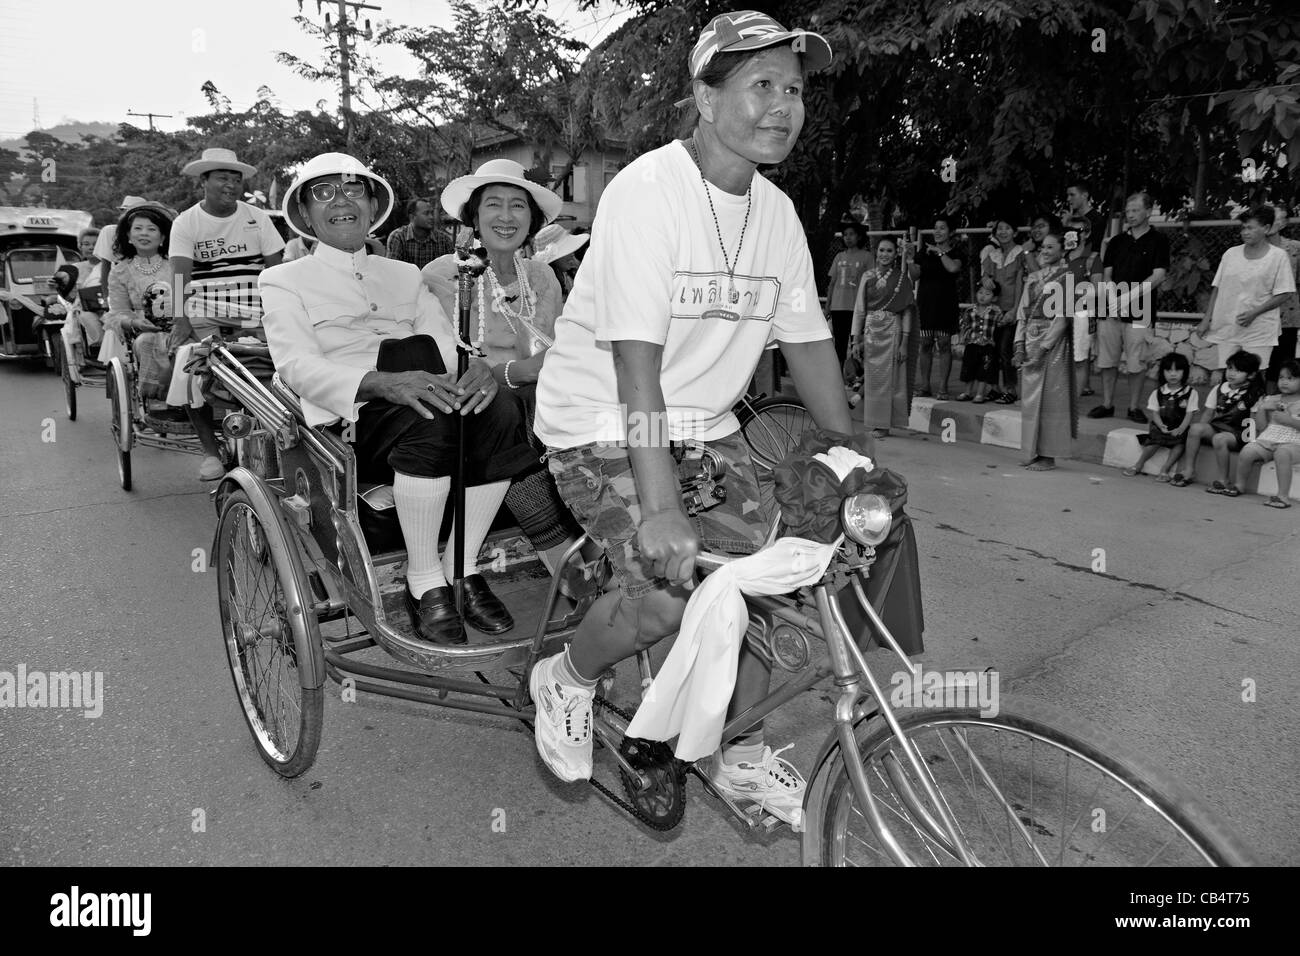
(33, 244)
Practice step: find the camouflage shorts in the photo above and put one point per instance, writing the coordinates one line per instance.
(595, 481)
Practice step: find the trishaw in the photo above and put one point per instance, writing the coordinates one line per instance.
(33, 244)
(306, 583)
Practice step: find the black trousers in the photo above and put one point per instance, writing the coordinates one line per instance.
(1284, 350)
(841, 326)
(393, 438)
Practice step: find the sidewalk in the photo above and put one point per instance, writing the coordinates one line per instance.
(1111, 442)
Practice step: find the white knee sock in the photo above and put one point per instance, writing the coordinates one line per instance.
(482, 503)
(420, 503)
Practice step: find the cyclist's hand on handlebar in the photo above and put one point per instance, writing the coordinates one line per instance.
(139, 324)
(670, 543)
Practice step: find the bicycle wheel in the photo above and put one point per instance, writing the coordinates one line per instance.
(119, 394)
(771, 428)
(268, 627)
(1028, 787)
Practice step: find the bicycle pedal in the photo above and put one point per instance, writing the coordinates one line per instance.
(740, 813)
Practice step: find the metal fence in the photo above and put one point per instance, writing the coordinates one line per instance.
(1194, 251)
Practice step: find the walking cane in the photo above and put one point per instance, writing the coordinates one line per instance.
(470, 264)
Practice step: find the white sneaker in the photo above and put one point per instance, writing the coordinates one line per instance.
(563, 722)
(773, 783)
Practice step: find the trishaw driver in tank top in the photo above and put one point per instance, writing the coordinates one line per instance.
(697, 264)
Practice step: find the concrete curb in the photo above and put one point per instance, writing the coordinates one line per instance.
(1099, 442)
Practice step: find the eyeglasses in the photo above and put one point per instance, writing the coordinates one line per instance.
(325, 192)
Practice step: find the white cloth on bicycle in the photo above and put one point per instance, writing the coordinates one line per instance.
(111, 347)
(688, 697)
(184, 389)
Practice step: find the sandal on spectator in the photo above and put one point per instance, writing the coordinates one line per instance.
(943, 397)
(979, 400)
(1086, 392)
(1129, 472)
(1162, 478)
(1274, 501)
(1232, 491)
(1180, 481)
(965, 397)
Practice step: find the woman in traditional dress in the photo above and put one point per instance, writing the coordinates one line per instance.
(882, 328)
(1044, 355)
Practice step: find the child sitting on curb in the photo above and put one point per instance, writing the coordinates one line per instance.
(1169, 410)
(1222, 426)
(1280, 441)
(979, 366)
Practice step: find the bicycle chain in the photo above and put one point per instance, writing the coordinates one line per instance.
(632, 809)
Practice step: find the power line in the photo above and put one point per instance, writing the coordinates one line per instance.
(1193, 96)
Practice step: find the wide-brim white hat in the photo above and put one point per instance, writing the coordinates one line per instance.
(217, 158)
(334, 164)
(555, 242)
(505, 171)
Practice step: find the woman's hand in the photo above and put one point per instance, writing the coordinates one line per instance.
(477, 387)
(141, 324)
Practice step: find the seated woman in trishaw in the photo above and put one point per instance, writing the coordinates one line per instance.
(360, 339)
(139, 301)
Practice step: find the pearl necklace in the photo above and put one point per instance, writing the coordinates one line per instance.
(137, 263)
(527, 298)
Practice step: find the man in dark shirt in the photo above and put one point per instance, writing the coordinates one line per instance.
(420, 241)
(1078, 196)
(1136, 259)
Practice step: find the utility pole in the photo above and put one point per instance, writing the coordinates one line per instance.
(345, 53)
(151, 116)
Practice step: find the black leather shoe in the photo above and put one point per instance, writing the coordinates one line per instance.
(483, 609)
(434, 616)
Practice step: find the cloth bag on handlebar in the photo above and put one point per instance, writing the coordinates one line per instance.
(688, 697)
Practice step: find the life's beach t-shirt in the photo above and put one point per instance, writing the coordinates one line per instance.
(227, 254)
(655, 273)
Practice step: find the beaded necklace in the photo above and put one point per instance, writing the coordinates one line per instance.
(527, 304)
(749, 199)
(137, 263)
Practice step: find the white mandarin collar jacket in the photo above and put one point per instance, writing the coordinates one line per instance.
(325, 315)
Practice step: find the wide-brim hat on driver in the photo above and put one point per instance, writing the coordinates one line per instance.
(217, 158)
(554, 242)
(335, 164)
(507, 172)
(752, 30)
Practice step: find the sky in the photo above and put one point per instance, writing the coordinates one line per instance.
(95, 60)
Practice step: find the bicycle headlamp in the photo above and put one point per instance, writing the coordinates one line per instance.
(866, 519)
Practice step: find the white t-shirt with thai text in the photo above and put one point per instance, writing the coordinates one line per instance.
(655, 273)
(227, 254)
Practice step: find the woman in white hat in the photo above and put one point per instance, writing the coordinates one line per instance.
(697, 263)
(556, 247)
(515, 304)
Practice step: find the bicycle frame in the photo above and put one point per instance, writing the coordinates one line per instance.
(847, 664)
(317, 496)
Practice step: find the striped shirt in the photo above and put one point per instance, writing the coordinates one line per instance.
(228, 257)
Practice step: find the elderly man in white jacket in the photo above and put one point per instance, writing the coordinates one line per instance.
(329, 319)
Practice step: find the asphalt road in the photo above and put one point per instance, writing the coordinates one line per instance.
(1198, 596)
